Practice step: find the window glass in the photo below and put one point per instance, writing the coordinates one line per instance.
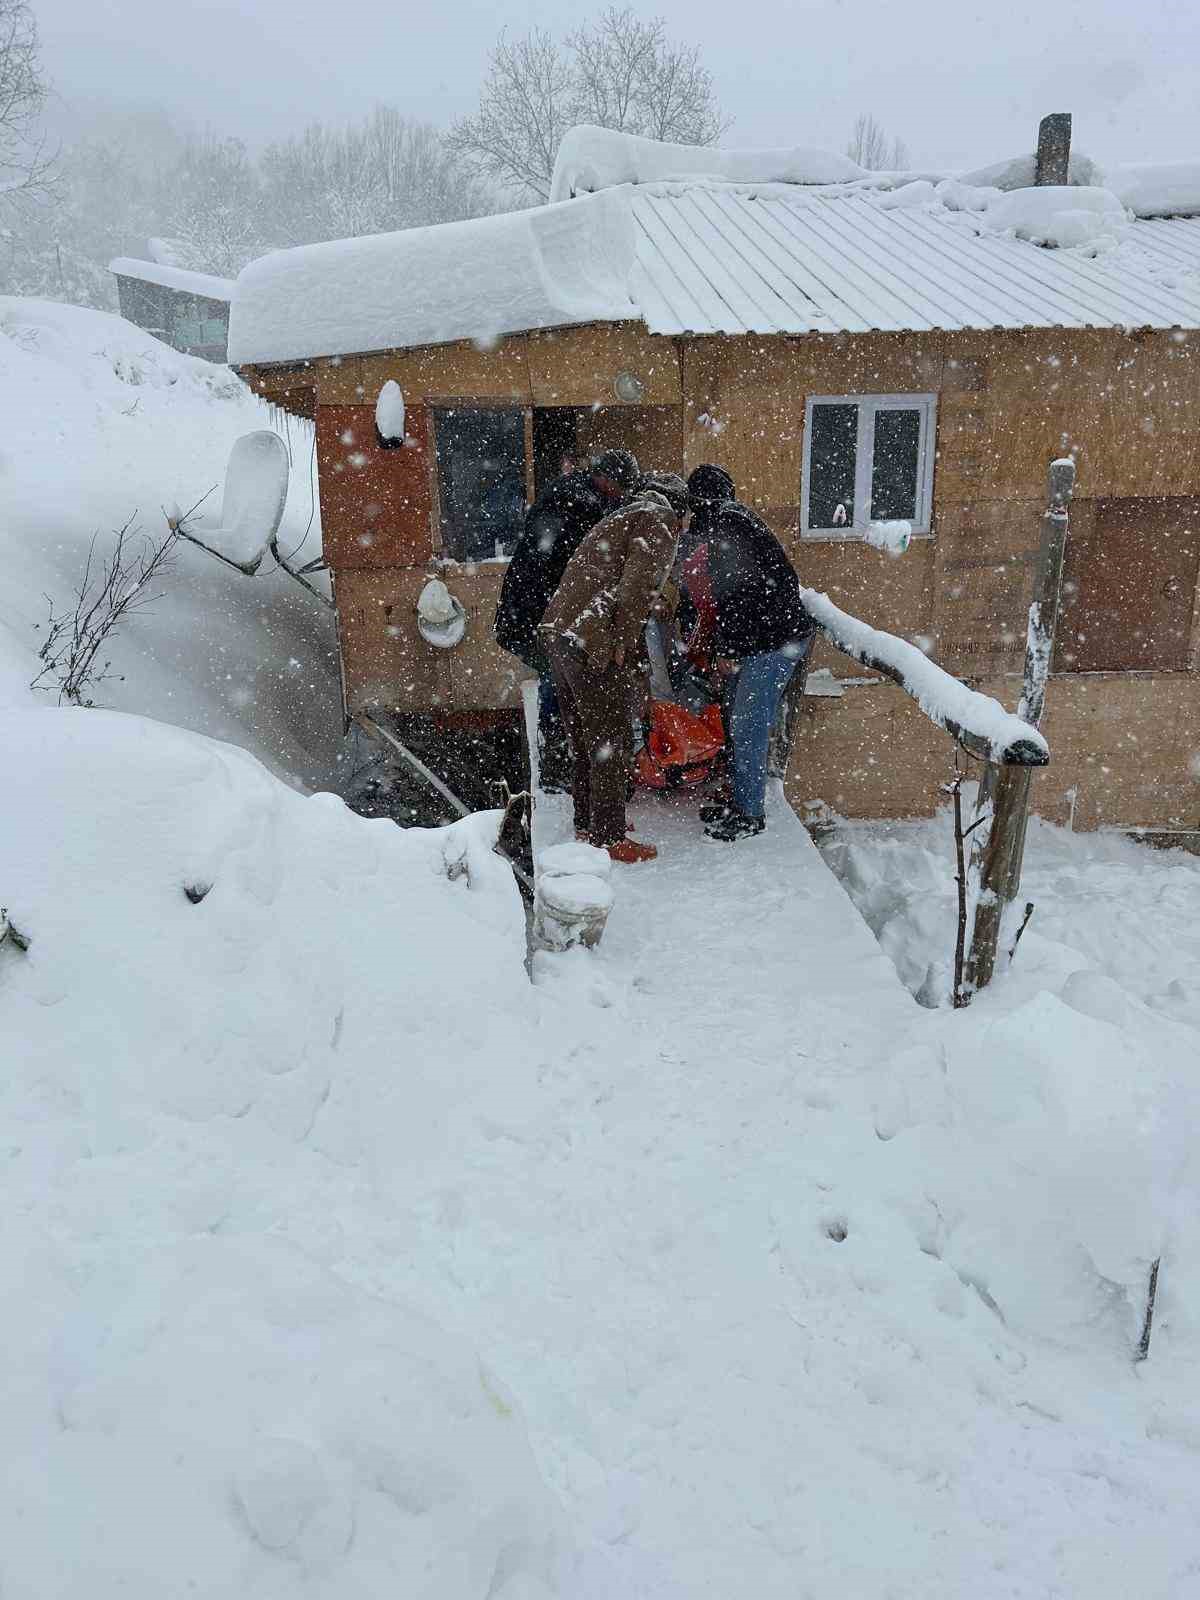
(833, 452)
(481, 481)
(896, 468)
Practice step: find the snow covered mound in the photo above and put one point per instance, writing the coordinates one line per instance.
(231, 1035)
(591, 158)
(103, 422)
(1157, 189)
(1062, 215)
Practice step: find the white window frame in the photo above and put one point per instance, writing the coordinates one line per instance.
(869, 405)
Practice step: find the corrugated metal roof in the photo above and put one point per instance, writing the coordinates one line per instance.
(725, 259)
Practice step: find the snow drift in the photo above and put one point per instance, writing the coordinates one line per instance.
(229, 1036)
(104, 423)
(590, 159)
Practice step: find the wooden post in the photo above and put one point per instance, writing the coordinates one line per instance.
(1053, 149)
(1004, 851)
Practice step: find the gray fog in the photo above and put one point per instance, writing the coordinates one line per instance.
(961, 83)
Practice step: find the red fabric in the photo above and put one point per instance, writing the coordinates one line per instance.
(680, 746)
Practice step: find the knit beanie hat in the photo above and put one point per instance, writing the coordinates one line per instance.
(619, 465)
(709, 483)
(672, 488)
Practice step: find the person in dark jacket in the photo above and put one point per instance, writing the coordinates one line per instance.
(555, 526)
(752, 624)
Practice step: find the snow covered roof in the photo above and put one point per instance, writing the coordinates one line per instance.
(168, 277)
(718, 259)
(811, 244)
(547, 267)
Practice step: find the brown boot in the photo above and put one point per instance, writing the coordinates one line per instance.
(629, 853)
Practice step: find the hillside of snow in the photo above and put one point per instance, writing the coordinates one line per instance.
(344, 1261)
(103, 423)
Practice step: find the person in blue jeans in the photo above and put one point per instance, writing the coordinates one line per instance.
(753, 625)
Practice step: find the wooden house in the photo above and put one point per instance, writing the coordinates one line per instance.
(851, 348)
(187, 310)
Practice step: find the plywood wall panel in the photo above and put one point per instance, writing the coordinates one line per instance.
(339, 381)
(375, 502)
(1120, 749)
(482, 676)
(653, 433)
(385, 661)
(871, 753)
(462, 371)
(1130, 586)
(578, 366)
(982, 584)
(894, 594)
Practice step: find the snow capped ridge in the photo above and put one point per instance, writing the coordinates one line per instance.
(168, 276)
(591, 159)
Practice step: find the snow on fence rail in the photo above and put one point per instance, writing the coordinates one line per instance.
(979, 723)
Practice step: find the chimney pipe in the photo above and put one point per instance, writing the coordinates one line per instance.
(1053, 149)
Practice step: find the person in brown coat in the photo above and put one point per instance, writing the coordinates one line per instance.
(594, 632)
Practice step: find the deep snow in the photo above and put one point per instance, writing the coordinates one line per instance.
(341, 1260)
(752, 1275)
(104, 422)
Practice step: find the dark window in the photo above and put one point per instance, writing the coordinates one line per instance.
(895, 471)
(833, 456)
(481, 481)
(868, 458)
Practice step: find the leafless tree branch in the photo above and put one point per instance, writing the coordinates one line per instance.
(871, 147)
(104, 599)
(617, 71)
(26, 165)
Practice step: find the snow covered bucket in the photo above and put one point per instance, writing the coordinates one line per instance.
(573, 896)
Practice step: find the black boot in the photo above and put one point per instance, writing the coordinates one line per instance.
(716, 811)
(735, 826)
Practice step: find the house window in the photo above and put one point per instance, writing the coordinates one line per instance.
(867, 458)
(481, 480)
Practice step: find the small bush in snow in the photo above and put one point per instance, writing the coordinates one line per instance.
(72, 652)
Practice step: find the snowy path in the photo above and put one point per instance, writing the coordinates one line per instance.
(717, 1283)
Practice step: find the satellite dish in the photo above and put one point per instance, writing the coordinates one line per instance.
(256, 485)
(441, 619)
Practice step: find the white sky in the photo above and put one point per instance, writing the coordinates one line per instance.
(962, 81)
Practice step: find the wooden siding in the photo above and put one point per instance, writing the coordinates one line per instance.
(578, 366)
(1129, 589)
(375, 502)
(1121, 746)
(1127, 406)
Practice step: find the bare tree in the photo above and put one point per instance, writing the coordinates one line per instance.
(384, 173)
(628, 75)
(104, 599)
(871, 147)
(524, 110)
(24, 166)
(616, 72)
(208, 201)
